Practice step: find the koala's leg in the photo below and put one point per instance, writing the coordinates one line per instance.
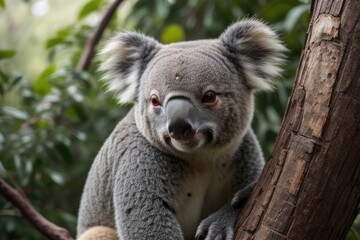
(99, 233)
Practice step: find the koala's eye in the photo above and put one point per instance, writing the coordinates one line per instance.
(209, 97)
(155, 102)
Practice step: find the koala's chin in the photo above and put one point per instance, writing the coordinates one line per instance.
(186, 145)
(199, 141)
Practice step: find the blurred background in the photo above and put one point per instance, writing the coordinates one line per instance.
(54, 118)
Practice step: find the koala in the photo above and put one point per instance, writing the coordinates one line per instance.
(184, 159)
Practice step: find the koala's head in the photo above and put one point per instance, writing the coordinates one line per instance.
(191, 97)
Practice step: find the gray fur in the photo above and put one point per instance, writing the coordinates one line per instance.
(149, 182)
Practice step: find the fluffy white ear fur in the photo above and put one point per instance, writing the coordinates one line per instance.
(256, 48)
(124, 58)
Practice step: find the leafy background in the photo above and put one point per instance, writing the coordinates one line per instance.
(54, 118)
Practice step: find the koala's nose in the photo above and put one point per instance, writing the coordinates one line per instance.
(181, 115)
(181, 129)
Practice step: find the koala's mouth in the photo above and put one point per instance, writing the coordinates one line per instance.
(183, 145)
(199, 140)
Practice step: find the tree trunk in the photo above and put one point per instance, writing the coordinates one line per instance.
(309, 188)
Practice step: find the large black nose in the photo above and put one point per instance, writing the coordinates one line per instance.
(181, 129)
(181, 117)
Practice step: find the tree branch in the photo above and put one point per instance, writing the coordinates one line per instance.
(88, 53)
(46, 227)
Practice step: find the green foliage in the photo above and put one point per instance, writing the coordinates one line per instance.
(42, 84)
(6, 53)
(52, 125)
(354, 233)
(90, 7)
(2, 4)
(172, 33)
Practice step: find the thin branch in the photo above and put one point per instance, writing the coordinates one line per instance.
(88, 53)
(44, 226)
(17, 186)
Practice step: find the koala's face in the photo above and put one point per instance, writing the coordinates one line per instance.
(190, 100)
(194, 96)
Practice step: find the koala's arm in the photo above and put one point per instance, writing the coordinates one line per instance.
(143, 190)
(145, 182)
(249, 164)
(141, 213)
(249, 161)
(130, 189)
(96, 206)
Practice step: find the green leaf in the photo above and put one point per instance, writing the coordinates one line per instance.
(6, 53)
(2, 4)
(2, 170)
(57, 41)
(162, 8)
(53, 42)
(89, 7)
(4, 77)
(60, 38)
(2, 138)
(294, 15)
(29, 167)
(14, 81)
(64, 151)
(15, 113)
(56, 177)
(274, 11)
(209, 14)
(42, 85)
(18, 166)
(172, 33)
(81, 112)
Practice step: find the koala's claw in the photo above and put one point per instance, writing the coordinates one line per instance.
(215, 232)
(218, 226)
(200, 236)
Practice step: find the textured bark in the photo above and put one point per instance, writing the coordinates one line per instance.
(309, 188)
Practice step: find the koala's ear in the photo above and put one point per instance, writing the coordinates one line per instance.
(125, 57)
(257, 50)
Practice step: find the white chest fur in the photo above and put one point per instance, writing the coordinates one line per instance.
(206, 188)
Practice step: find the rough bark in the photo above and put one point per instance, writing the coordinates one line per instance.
(309, 188)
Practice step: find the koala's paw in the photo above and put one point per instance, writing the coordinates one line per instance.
(219, 225)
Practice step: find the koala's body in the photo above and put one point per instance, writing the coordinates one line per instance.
(184, 158)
